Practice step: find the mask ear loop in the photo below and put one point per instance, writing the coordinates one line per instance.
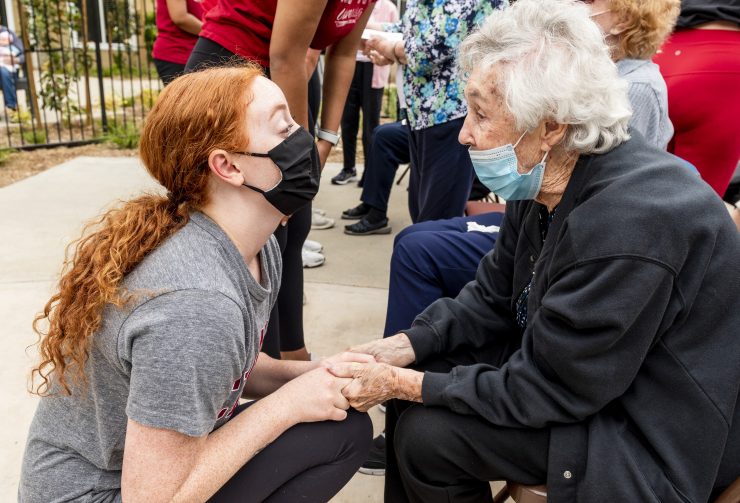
(520, 138)
(544, 157)
(257, 189)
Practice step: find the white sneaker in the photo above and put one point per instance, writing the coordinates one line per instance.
(319, 211)
(321, 222)
(313, 246)
(312, 259)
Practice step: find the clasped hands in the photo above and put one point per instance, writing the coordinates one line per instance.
(377, 372)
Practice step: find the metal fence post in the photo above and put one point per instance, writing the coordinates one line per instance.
(97, 36)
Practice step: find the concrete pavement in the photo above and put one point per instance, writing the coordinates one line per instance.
(40, 215)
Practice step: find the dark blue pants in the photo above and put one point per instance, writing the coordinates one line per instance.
(8, 78)
(389, 149)
(441, 173)
(361, 96)
(432, 260)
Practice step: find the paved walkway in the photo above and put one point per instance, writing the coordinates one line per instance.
(40, 215)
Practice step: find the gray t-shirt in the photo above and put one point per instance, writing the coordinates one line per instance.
(176, 358)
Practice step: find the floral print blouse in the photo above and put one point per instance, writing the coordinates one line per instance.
(432, 32)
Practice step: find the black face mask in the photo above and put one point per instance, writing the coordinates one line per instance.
(298, 161)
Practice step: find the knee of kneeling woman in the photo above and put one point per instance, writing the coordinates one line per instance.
(356, 433)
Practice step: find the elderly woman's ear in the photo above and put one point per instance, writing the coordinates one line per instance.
(552, 135)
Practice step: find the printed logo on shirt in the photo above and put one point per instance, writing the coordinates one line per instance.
(348, 16)
(238, 384)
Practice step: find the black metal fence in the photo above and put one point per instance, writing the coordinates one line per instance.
(85, 70)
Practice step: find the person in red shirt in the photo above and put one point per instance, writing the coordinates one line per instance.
(178, 25)
(277, 35)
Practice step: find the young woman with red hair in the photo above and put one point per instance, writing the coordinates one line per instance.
(278, 34)
(155, 332)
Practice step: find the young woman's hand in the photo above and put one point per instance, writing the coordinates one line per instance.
(347, 357)
(395, 350)
(314, 396)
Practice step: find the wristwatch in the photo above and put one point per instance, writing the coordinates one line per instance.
(326, 135)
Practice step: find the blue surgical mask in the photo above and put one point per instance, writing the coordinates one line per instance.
(497, 169)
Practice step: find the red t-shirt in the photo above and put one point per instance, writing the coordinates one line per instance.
(172, 43)
(244, 27)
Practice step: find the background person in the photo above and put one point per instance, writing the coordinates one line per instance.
(13, 55)
(701, 66)
(178, 25)
(145, 357)
(441, 174)
(366, 95)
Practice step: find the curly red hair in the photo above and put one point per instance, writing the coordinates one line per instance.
(194, 115)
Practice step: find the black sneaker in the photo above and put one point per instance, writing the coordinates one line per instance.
(365, 228)
(375, 462)
(356, 213)
(344, 177)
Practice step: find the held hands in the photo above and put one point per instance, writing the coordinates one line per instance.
(315, 396)
(371, 384)
(395, 350)
(380, 51)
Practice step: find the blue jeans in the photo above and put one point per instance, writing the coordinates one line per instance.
(432, 260)
(8, 78)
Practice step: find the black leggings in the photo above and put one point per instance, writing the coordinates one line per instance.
(167, 70)
(285, 329)
(309, 463)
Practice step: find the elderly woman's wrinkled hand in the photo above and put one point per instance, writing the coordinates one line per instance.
(395, 350)
(372, 383)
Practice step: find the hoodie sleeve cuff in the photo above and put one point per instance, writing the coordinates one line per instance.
(423, 341)
(433, 386)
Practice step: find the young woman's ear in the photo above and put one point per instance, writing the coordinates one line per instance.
(222, 164)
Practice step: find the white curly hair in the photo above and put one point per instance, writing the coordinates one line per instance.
(552, 64)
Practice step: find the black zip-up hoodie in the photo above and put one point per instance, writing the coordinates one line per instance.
(631, 355)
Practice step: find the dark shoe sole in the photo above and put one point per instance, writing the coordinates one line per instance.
(381, 230)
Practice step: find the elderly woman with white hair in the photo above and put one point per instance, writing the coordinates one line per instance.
(597, 350)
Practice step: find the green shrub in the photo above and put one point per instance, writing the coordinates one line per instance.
(123, 136)
(37, 137)
(5, 154)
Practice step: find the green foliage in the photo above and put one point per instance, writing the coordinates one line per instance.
(124, 136)
(5, 154)
(37, 137)
(150, 34)
(50, 26)
(390, 98)
(149, 97)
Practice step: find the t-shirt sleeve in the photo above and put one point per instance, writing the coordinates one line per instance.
(184, 349)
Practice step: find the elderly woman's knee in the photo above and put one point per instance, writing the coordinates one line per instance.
(418, 432)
